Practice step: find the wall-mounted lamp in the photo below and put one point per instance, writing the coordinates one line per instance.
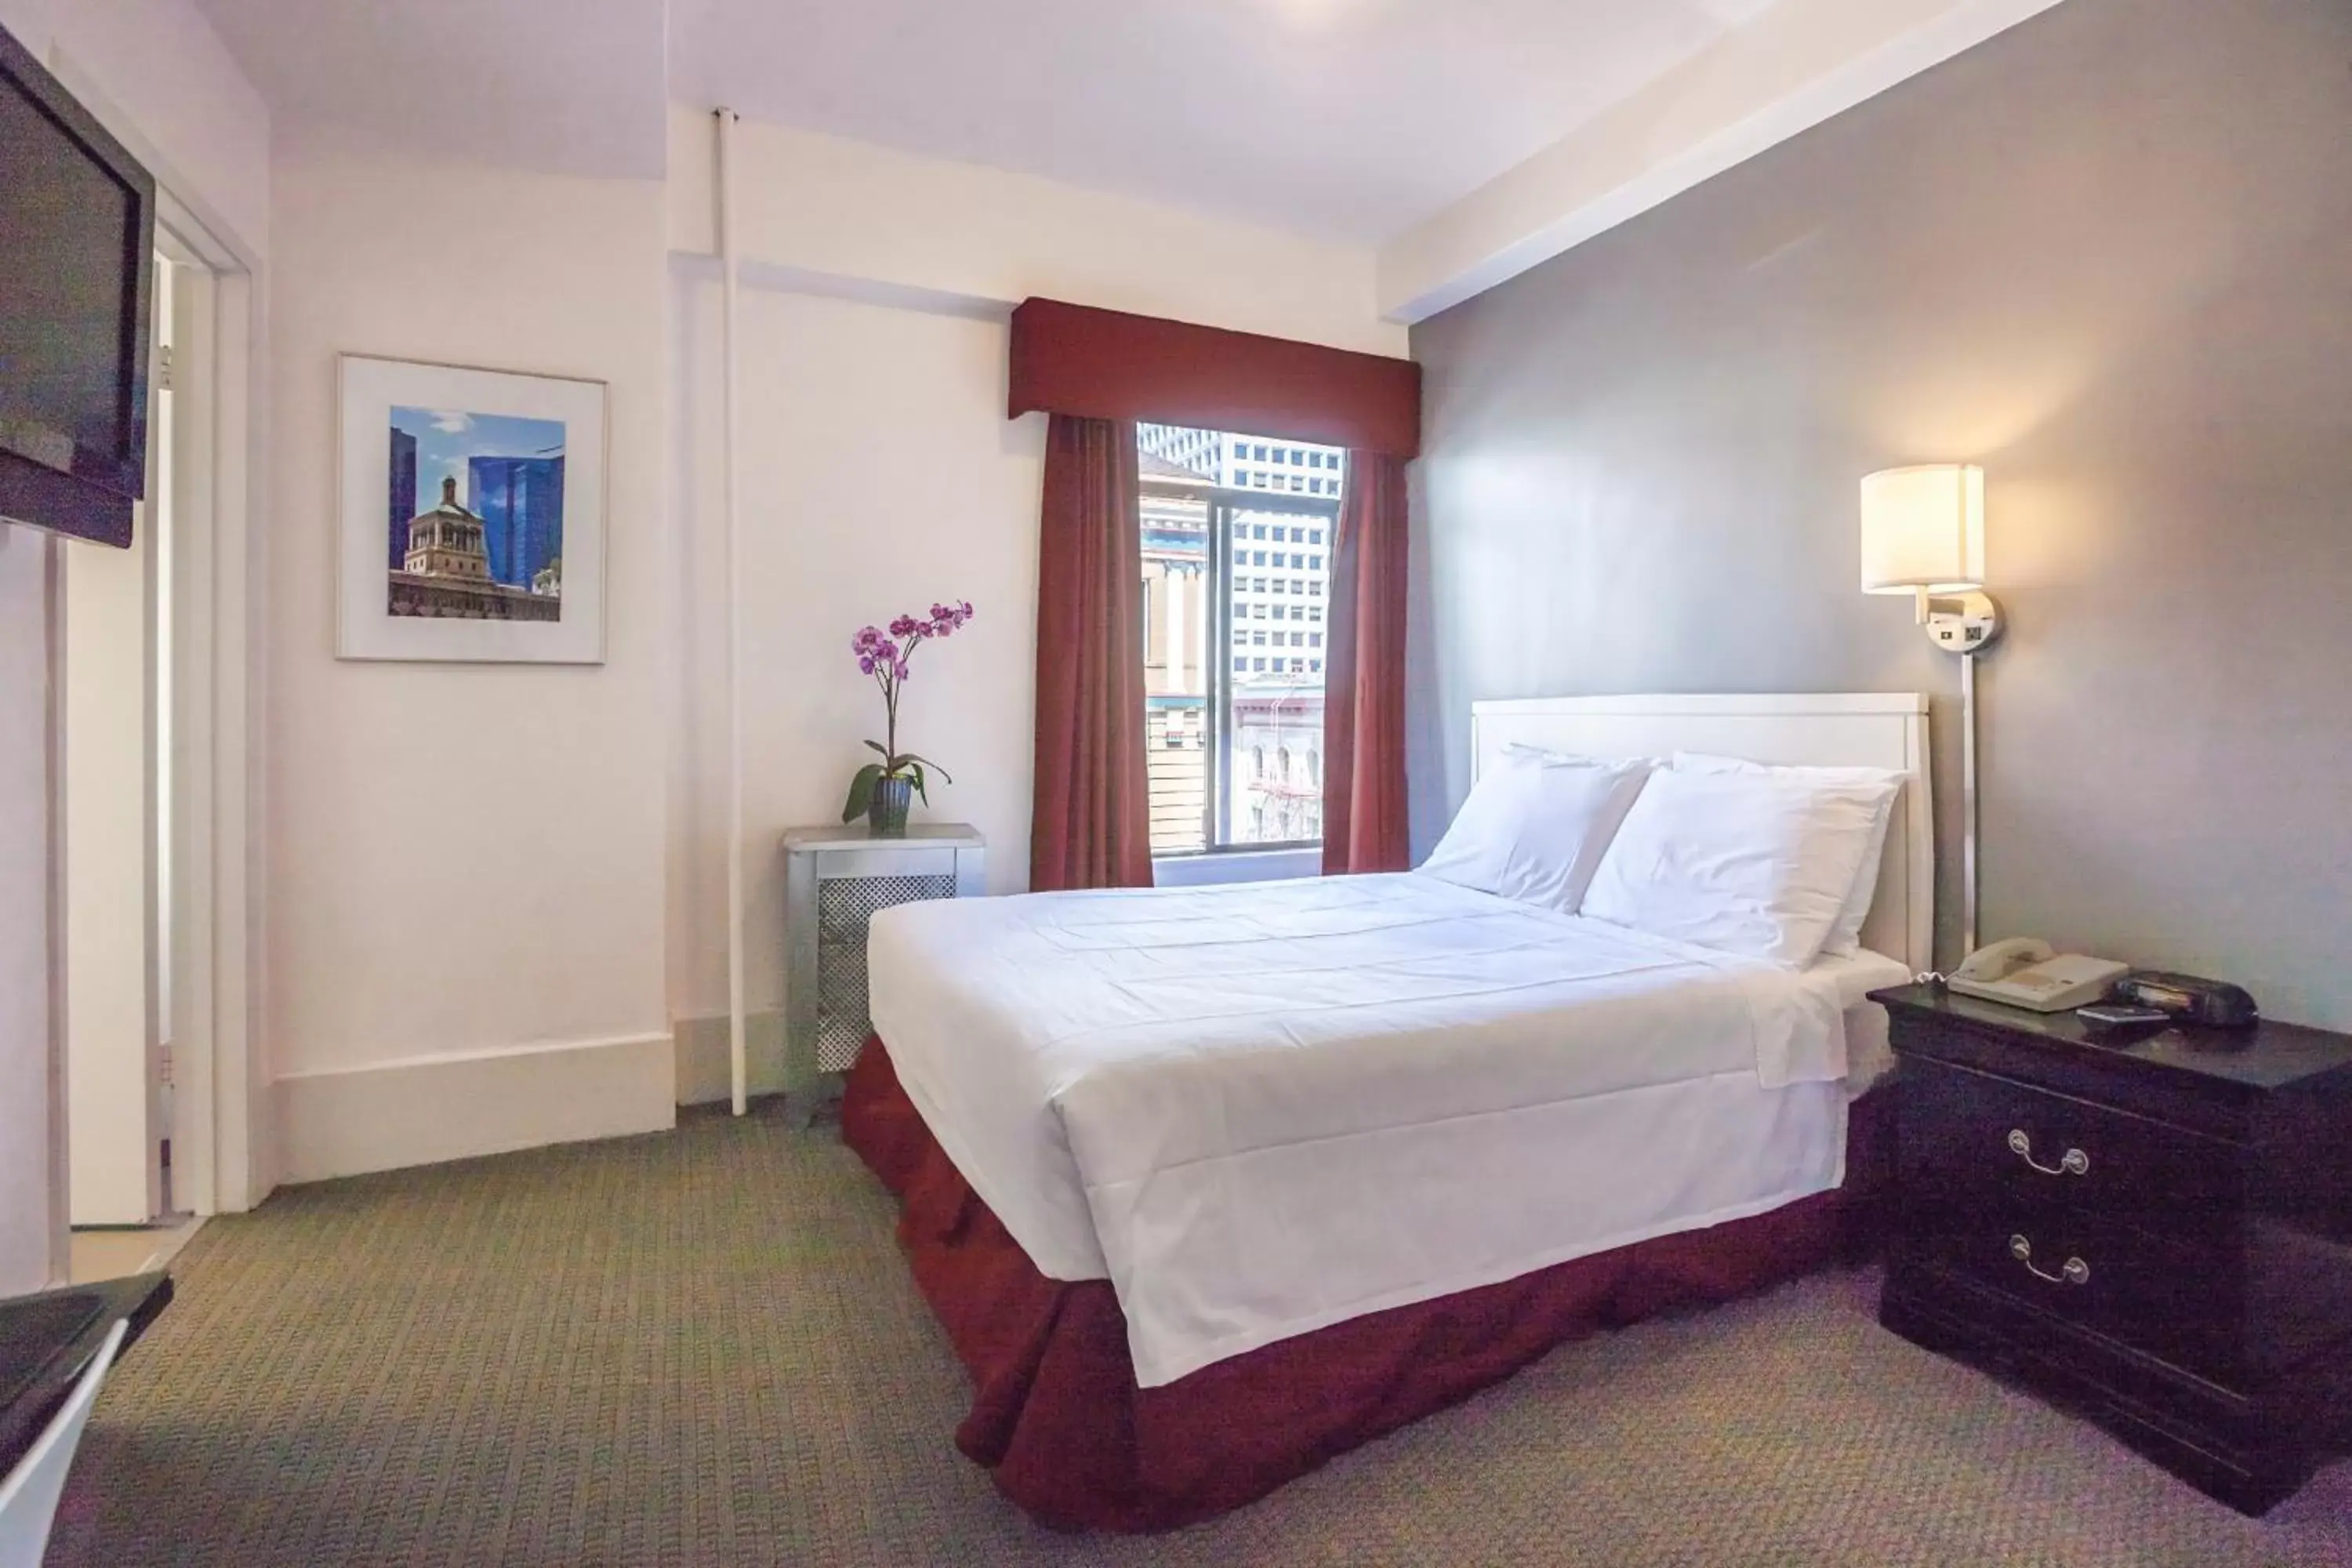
(1922, 535)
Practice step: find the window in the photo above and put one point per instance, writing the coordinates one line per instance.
(1235, 748)
(1314, 612)
(1314, 639)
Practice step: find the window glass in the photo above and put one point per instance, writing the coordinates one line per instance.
(1234, 751)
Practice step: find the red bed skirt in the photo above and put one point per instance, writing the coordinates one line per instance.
(1056, 1416)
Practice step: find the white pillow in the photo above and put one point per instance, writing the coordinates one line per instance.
(1535, 828)
(1522, 750)
(1745, 863)
(1882, 785)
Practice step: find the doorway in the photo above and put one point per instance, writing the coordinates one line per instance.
(115, 701)
(135, 750)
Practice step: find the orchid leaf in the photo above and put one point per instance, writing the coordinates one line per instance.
(910, 757)
(861, 792)
(877, 746)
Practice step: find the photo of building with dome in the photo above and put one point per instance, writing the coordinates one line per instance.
(474, 521)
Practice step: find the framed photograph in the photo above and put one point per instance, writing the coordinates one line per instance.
(473, 515)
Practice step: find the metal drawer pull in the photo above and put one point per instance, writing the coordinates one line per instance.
(2074, 1271)
(2074, 1162)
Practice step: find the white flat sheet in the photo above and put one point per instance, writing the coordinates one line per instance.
(1263, 1108)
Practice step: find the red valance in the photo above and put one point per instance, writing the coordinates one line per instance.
(1107, 365)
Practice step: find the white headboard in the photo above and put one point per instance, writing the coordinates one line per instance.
(1877, 729)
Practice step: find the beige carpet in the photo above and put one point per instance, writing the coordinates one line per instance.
(702, 1348)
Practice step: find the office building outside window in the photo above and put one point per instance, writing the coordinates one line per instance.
(1233, 747)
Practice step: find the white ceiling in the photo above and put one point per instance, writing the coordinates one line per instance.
(1353, 119)
(559, 86)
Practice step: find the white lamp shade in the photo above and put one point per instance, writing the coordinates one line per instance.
(1922, 528)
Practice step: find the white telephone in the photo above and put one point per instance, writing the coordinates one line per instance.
(2024, 972)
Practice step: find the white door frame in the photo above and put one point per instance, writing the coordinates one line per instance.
(213, 1164)
(221, 1136)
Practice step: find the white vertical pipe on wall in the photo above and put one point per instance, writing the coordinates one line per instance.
(739, 1075)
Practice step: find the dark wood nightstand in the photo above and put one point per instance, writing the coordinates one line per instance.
(2158, 1232)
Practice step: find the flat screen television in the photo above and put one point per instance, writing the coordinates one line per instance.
(76, 279)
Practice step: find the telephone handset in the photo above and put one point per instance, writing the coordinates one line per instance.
(2026, 972)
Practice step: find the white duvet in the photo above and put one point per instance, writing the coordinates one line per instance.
(1263, 1109)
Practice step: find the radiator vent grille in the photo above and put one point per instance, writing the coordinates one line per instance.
(843, 906)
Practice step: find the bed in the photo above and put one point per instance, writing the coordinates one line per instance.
(1208, 1186)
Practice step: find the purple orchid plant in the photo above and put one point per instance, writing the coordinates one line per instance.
(886, 656)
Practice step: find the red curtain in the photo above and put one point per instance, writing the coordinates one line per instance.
(1364, 826)
(1091, 823)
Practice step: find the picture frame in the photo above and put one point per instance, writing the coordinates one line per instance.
(503, 473)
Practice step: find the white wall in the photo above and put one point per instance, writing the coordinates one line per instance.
(880, 474)
(843, 210)
(464, 862)
(157, 74)
(31, 1199)
(197, 122)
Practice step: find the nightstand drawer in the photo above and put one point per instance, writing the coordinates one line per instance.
(2206, 1210)
(1969, 1132)
(2174, 1299)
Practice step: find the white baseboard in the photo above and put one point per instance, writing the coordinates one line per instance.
(703, 1077)
(424, 1109)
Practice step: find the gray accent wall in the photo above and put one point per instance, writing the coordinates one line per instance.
(2108, 255)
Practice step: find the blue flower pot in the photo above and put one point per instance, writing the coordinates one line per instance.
(886, 808)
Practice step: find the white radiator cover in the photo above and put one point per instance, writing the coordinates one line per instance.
(835, 879)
